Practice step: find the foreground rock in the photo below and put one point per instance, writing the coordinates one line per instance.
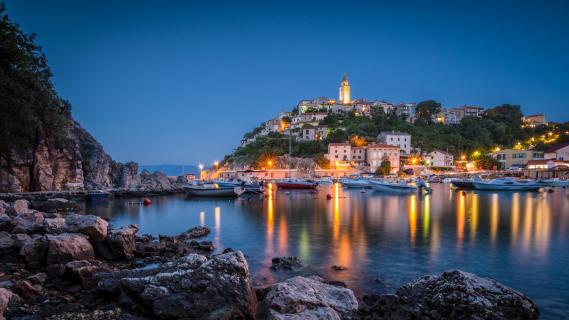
(93, 226)
(68, 247)
(307, 298)
(191, 287)
(120, 244)
(5, 297)
(450, 295)
(288, 263)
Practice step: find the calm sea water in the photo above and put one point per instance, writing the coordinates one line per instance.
(518, 238)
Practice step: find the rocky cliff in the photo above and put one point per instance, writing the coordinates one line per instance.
(76, 162)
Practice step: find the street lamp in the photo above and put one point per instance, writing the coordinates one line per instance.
(201, 168)
(270, 164)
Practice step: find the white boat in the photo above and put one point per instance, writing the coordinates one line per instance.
(227, 183)
(555, 182)
(354, 183)
(506, 184)
(213, 191)
(393, 187)
(325, 180)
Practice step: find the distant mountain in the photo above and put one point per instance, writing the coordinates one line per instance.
(170, 169)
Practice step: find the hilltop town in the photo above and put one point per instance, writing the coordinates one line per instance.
(345, 136)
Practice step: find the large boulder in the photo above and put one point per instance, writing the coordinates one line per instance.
(120, 244)
(28, 222)
(67, 247)
(54, 225)
(195, 232)
(307, 298)
(190, 287)
(34, 250)
(5, 297)
(451, 295)
(93, 226)
(56, 205)
(18, 207)
(83, 272)
(7, 243)
(6, 222)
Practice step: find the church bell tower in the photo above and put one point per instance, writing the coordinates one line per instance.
(345, 90)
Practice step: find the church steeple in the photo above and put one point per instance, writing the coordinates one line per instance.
(345, 90)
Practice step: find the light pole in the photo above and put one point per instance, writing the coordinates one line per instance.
(201, 168)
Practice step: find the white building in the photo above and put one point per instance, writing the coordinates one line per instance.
(407, 110)
(438, 158)
(358, 154)
(396, 138)
(558, 152)
(376, 153)
(339, 152)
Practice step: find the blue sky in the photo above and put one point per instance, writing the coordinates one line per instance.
(181, 81)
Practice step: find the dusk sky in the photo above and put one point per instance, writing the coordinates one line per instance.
(181, 82)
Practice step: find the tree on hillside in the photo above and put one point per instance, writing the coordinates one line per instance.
(427, 109)
(29, 106)
(384, 168)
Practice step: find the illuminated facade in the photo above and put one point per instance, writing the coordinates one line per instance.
(344, 91)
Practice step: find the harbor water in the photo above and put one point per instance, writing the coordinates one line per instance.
(520, 239)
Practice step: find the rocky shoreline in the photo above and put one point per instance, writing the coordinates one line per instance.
(58, 264)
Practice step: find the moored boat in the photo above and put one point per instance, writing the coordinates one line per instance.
(213, 191)
(507, 184)
(295, 184)
(99, 195)
(555, 182)
(393, 187)
(463, 183)
(354, 183)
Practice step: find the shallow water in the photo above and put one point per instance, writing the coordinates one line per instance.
(518, 238)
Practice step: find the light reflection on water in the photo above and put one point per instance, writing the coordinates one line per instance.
(518, 238)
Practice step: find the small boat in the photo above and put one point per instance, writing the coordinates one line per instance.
(507, 184)
(555, 182)
(213, 191)
(227, 183)
(99, 195)
(254, 187)
(354, 183)
(463, 183)
(324, 181)
(393, 187)
(295, 184)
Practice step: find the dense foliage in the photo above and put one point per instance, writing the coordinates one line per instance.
(29, 105)
(500, 126)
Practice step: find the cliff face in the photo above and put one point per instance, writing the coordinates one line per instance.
(76, 162)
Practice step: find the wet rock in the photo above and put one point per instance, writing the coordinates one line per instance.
(451, 295)
(202, 245)
(307, 298)
(120, 244)
(112, 314)
(82, 272)
(93, 226)
(54, 225)
(195, 232)
(6, 222)
(220, 288)
(67, 247)
(34, 250)
(339, 268)
(5, 297)
(26, 290)
(19, 207)
(4, 206)
(288, 263)
(56, 205)
(7, 243)
(28, 222)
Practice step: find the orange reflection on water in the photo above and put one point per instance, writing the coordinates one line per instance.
(515, 217)
(528, 224)
(543, 227)
(460, 218)
(283, 236)
(217, 237)
(473, 217)
(336, 218)
(412, 218)
(426, 215)
(494, 219)
(202, 219)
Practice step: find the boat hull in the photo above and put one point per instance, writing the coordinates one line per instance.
(354, 183)
(463, 184)
(294, 185)
(505, 187)
(393, 187)
(210, 192)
